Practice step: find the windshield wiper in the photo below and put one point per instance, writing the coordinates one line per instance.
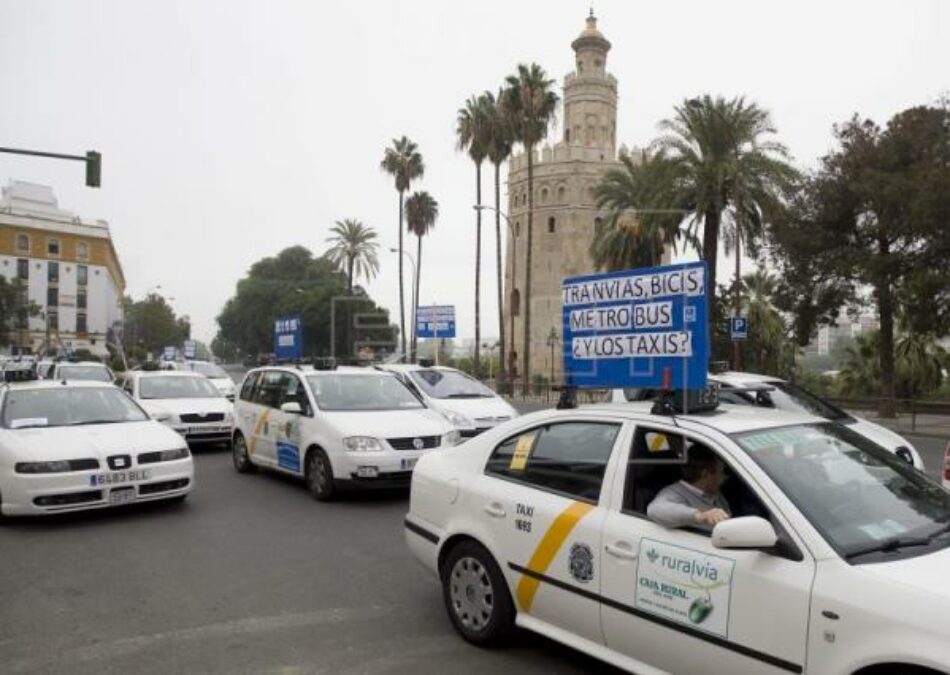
(467, 396)
(888, 546)
(85, 422)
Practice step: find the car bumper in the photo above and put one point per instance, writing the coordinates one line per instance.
(37, 494)
(205, 433)
(376, 469)
(424, 541)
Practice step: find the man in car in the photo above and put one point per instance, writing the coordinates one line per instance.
(696, 500)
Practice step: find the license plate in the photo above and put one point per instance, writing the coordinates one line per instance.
(118, 477)
(367, 471)
(122, 495)
(407, 463)
(207, 430)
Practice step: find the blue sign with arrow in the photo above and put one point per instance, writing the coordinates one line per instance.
(739, 327)
(637, 328)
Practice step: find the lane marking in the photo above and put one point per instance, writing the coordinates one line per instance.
(547, 549)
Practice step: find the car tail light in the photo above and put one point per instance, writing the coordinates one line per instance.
(946, 463)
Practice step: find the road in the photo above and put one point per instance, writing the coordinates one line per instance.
(249, 575)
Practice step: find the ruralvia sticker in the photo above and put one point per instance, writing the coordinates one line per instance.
(684, 585)
(581, 562)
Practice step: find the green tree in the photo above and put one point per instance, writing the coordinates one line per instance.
(421, 213)
(721, 156)
(499, 149)
(874, 214)
(404, 163)
(769, 348)
(473, 133)
(353, 250)
(151, 325)
(15, 309)
(530, 104)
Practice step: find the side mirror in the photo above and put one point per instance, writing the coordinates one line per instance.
(160, 416)
(291, 407)
(744, 532)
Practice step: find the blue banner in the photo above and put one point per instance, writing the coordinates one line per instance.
(637, 328)
(435, 321)
(288, 338)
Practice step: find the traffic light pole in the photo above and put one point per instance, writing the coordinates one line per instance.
(92, 159)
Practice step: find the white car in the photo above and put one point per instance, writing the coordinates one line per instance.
(345, 427)
(79, 370)
(219, 378)
(834, 562)
(467, 403)
(773, 392)
(84, 445)
(185, 401)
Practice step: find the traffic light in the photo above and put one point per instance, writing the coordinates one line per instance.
(93, 169)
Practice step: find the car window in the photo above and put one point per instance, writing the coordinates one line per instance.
(449, 384)
(569, 458)
(247, 389)
(94, 373)
(66, 406)
(171, 386)
(293, 391)
(270, 390)
(351, 392)
(657, 459)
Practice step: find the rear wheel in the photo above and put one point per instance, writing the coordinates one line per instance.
(319, 476)
(476, 595)
(242, 461)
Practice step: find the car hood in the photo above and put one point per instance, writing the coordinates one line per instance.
(179, 406)
(485, 412)
(95, 440)
(880, 435)
(926, 573)
(389, 423)
(223, 384)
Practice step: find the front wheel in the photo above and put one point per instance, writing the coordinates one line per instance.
(319, 476)
(242, 461)
(476, 595)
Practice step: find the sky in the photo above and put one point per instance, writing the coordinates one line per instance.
(232, 129)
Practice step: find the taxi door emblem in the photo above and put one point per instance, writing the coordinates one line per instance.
(418, 443)
(581, 562)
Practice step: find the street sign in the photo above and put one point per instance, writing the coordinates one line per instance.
(288, 338)
(169, 353)
(435, 321)
(190, 348)
(739, 327)
(637, 328)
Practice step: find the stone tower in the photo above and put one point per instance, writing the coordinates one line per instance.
(564, 209)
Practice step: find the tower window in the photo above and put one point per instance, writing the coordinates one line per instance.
(23, 243)
(560, 194)
(52, 247)
(82, 250)
(598, 222)
(518, 229)
(515, 303)
(598, 63)
(551, 223)
(567, 135)
(544, 195)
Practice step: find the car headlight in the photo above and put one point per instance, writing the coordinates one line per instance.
(452, 438)
(362, 444)
(905, 454)
(60, 466)
(458, 420)
(163, 456)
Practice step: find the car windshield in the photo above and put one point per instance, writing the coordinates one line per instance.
(865, 501)
(92, 373)
(171, 386)
(68, 406)
(211, 370)
(449, 384)
(341, 392)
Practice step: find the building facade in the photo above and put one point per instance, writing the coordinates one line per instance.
(69, 267)
(565, 214)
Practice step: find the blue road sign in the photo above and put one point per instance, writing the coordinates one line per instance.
(637, 328)
(288, 338)
(169, 353)
(190, 348)
(435, 321)
(739, 327)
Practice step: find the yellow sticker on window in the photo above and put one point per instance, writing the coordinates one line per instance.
(522, 450)
(657, 442)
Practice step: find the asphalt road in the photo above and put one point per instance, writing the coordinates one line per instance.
(249, 575)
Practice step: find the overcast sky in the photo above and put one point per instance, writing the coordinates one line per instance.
(230, 130)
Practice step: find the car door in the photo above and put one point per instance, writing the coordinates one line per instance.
(287, 426)
(261, 444)
(540, 496)
(674, 601)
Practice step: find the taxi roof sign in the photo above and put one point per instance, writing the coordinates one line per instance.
(637, 328)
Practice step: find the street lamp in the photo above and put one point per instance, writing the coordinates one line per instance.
(552, 342)
(514, 260)
(415, 300)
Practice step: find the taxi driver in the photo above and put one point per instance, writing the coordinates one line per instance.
(694, 501)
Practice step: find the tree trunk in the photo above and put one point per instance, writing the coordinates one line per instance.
(415, 302)
(402, 303)
(710, 253)
(478, 268)
(526, 356)
(885, 308)
(737, 344)
(502, 373)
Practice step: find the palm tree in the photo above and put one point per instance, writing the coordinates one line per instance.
(499, 144)
(404, 163)
(353, 250)
(720, 158)
(643, 216)
(421, 213)
(473, 130)
(530, 104)
(769, 348)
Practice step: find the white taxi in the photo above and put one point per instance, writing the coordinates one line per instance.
(337, 428)
(84, 445)
(79, 370)
(834, 561)
(467, 403)
(185, 401)
(216, 374)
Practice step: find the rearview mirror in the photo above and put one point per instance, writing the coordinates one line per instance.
(291, 407)
(744, 532)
